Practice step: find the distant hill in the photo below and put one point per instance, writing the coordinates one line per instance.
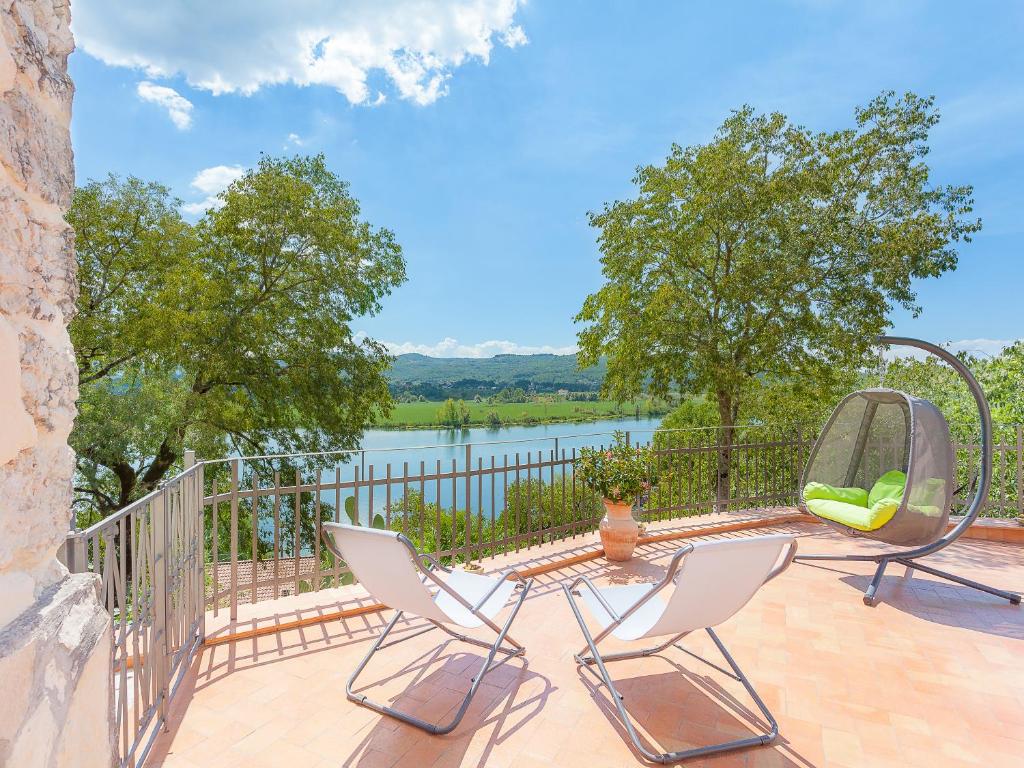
(437, 378)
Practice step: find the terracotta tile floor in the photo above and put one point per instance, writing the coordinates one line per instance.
(931, 677)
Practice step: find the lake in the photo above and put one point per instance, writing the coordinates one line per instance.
(383, 446)
(383, 449)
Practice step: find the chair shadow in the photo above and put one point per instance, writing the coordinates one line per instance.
(692, 710)
(946, 603)
(440, 678)
(215, 663)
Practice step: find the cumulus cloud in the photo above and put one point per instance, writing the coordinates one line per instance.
(211, 182)
(179, 109)
(449, 347)
(235, 46)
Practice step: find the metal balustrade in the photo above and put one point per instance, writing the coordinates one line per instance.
(225, 532)
(149, 556)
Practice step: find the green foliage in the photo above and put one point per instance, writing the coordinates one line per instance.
(350, 510)
(511, 395)
(533, 505)
(1000, 376)
(262, 519)
(695, 412)
(530, 506)
(429, 526)
(786, 405)
(540, 409)
(438, 378)
(232, 334)
(770, 254)
(454, 414)
(619, 473)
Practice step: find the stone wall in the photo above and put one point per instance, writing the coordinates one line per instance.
(56, 705)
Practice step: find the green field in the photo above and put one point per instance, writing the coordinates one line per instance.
(410, 415)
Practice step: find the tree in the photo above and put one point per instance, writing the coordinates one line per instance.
(1000, 377)
(454, 414)
(771, 253)
(232, 334)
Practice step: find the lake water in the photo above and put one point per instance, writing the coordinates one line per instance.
(383, 446)
(424, 448)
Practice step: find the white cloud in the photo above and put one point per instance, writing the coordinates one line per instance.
(295, 140)
(449, 347)
(235, 46)
(211, 182)
(974, 347)
(179, 109)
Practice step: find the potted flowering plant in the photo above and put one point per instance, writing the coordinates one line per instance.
(622, 474)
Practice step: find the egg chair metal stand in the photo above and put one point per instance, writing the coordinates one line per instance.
(910, 558)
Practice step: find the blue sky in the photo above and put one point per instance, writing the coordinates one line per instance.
(483, 141)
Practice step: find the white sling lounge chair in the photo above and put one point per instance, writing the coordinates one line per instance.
(713, 580)
(387, 564)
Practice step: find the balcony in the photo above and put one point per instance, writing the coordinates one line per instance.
(223, 659)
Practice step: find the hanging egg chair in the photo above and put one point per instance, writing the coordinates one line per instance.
(884, 468)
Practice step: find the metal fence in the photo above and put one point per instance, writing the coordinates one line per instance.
(1006, 497)
(247, 529)
(264, 514)
(149, 556)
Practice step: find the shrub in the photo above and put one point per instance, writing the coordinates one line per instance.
(619, 473)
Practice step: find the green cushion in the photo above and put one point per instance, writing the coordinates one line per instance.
(854, 516)
(888, 486)
(857, 496)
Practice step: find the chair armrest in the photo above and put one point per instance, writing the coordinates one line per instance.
(328, 540)
(427, 562)
(596, 592)
(784, 562)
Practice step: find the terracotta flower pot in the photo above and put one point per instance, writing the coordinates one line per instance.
(619, 531)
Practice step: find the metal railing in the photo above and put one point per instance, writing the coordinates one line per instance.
(264, 514)
(1006, 496)
(247, 529)
(149, 556)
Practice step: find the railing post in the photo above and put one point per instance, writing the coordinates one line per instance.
(469, 501)
(189, 459)
(74, 553)
(234, 540)
(799, 459)
(201, 511)
(161, 640)
(1020, 466)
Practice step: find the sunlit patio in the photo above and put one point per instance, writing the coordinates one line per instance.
(930, 677)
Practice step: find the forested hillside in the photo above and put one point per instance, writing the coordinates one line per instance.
(437, 378)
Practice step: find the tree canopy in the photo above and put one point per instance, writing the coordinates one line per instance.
(771, 253)
(230, 334)
(999, 375)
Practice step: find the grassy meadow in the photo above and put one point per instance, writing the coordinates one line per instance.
(425, 414)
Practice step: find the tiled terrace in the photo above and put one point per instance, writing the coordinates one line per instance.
(931, 677)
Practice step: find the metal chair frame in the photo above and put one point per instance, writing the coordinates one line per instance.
(600, 661)
(428, 565)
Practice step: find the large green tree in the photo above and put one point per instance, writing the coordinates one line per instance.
(230, 334)
(772, 253)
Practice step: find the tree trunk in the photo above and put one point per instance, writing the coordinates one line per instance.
(162, 462)
(728, 407)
